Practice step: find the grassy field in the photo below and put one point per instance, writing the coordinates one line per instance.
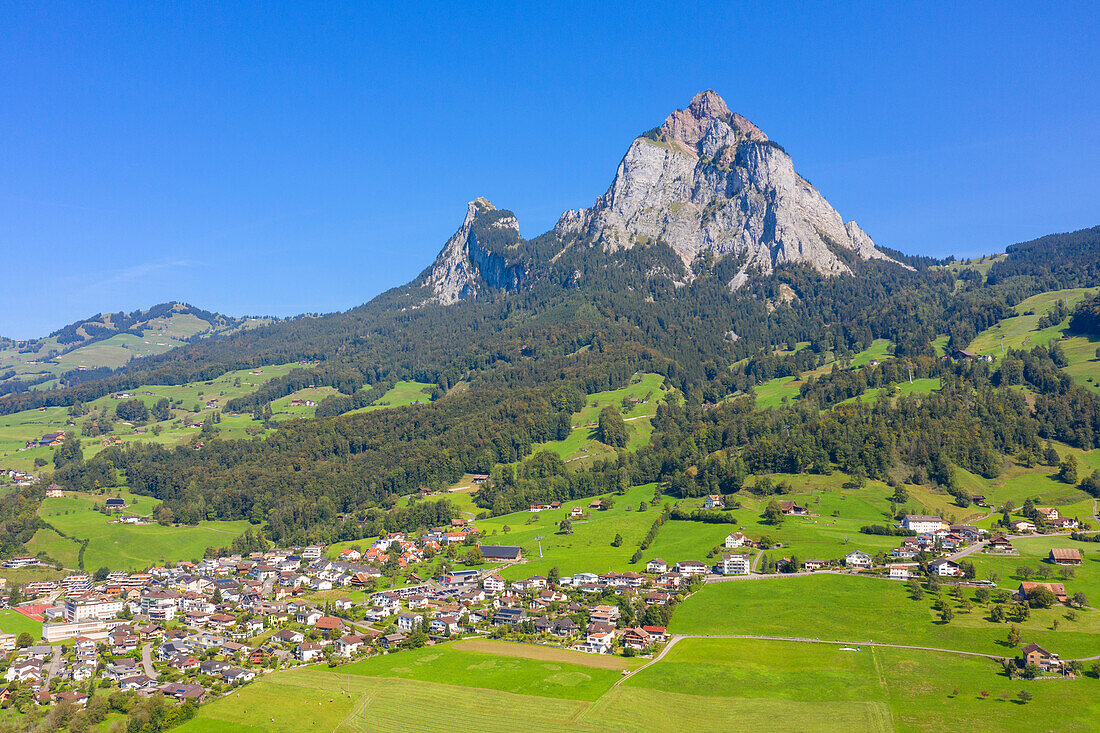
(781, 390)
(1033, 551)
(456, 664)
(402, 394)
(123, 546)
(13, 622)
(588, 548)
(1021, 331)
(857, 609)
(788, 686)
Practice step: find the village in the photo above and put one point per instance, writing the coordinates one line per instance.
(200, 629)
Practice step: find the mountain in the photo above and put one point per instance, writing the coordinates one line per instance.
(92, 347)
(706, 183)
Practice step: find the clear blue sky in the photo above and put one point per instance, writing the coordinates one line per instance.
(298, 157)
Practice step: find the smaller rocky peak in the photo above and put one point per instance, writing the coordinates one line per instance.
(476, 208)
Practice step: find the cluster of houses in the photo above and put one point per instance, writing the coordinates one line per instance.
(196, 628)
(19, 478)
(49, 440)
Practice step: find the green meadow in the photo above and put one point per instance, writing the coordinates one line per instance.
(13, 622)
(861, 609)
(122, 546)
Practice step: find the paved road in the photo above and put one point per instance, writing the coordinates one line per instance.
(147, 661)
(54, 664)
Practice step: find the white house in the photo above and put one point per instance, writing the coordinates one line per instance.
(656, 565)
(493, 584)
(857, 559)
(922, 523)
(691, 567)
(409, 621)
(712, 501)
(735, 564)
(899, 572)
(944, 567)
(735, 539)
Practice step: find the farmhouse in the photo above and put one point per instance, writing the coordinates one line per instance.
(1023, 525)
(735, 539)
(922, 523)
(53, 491)
(791, 509)
(115, 502)
(1065, 556)
(1040, 657)
(944, 567)
(815, 564)
(712, 501)
(1048, 513)
(1057, 589)
(1000, 543)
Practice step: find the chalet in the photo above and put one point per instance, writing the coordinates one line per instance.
(1000, 544)
(857, 559)
(734, 540)
(1057, 589)
(712, 501)
(1065, 556)
(791, 509)
(978, 500)
(447, 624)
(1065, 523)
(656, 565)
(115, 503)
(501, 552)
(1040, 657)
(576, 512)
(922, 523)
(596, 504)
(899, 572)
(734, 564)
(636, 638)
(350, 553)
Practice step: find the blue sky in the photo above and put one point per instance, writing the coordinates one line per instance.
(302, 157)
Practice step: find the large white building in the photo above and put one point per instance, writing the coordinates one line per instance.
(922, 523)
(89, 608)
(735, 564)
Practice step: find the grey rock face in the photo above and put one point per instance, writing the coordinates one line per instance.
(710, 180)
(465, 265)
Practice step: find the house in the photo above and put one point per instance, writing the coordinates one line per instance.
(351, 554)
(409, 621)
(944, 567)
(1057, 589)
(596, 504)
(1040, 657)
(978, 500)
(734, 564)
(815, 564)
(181, 691)
(857, 559)
(734, 540)
(899, 572)
(308, 651)
(712, 501)
(442, 625)
(1065, 523)
(493, 583)
(1065, 556)
(1048, 513)
(791, 509)
(922, 523)
(115, 503)
(53, 491)
(289, 636)
(597, 642)
(576, 512)
(508, 616)
(391, 641)
(691, 567)
(328, 623)
(348, 645)
(635, 638)
(999, 544)
(1022, 525)
(656, 565)
(501, 552)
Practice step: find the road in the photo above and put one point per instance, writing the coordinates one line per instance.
(54, 664)
(147, 661)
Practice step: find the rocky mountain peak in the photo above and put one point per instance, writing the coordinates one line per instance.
(476, 256)
(708, 180)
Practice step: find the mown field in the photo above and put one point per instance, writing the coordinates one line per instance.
(122, 546)
(701, 685)
(13, 622)
(861, 609)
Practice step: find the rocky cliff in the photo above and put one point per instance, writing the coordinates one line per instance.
(708, 180)
(476, 256)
